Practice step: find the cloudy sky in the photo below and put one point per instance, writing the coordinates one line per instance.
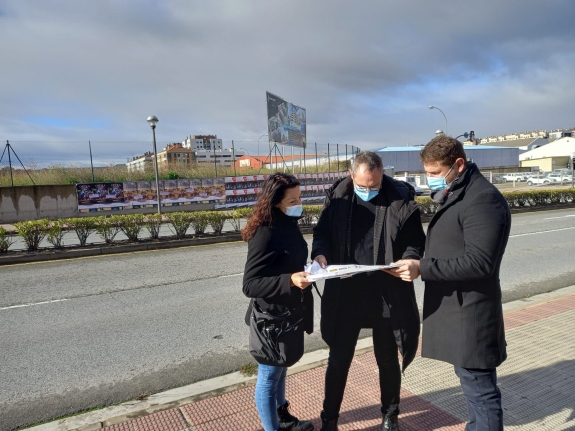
(366, 71)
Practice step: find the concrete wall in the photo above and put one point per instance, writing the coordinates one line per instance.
(35, 202)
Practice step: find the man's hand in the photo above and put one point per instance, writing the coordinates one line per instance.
(408, 271)
(299, 279)
(321, 260)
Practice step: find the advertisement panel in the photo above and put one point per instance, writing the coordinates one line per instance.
(100, 197)
(286, 122)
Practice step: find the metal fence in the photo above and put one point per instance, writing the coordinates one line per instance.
(35, 162)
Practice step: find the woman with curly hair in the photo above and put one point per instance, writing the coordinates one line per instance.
(273, 278)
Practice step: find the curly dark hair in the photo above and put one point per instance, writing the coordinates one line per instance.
(272, 192)
(442, 149)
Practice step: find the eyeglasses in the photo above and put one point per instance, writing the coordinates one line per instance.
(367, 189)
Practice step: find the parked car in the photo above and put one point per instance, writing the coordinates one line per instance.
(538, 180)
(514, 177)
(559, 178)
(411, 181)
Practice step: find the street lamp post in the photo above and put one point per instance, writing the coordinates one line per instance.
(153, 120)
(435, 107)
(259, 143)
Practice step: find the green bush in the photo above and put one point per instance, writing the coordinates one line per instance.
(33, 232)
(153, 223)
(235, 219)
(245, 212)
(131, 225)
(108, 227)
(217, 219)
(83, 226)
(199, 222)
(310, 215)
(5, 240)
(56, 233)
(180, 222)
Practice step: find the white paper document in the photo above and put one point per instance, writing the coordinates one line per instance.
(340, 271)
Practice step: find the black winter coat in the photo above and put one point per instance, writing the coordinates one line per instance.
(398, 234)
(466, 239)
(274, 253)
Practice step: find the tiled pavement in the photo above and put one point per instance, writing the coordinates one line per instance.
(537, 382)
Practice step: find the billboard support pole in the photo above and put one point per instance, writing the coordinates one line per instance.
(304, 170)
(292, 169)
(234, 157)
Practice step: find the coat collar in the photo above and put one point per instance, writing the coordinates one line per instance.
(459, 188)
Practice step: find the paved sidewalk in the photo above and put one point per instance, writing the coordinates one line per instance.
(537, 382)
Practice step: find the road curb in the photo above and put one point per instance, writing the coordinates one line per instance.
(220, 385)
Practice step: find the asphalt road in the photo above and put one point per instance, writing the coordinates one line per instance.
(88, 332)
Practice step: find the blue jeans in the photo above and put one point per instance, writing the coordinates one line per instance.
(270, 394)
(483, 399)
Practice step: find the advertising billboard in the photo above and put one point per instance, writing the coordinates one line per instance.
(286, 122)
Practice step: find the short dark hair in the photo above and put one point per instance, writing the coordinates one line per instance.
(370, 159)
(443, 149)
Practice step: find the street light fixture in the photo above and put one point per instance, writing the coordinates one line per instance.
(435, 107)
(259, 142)
(245, 151)
(153, 120)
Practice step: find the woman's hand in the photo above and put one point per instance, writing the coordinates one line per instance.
(299, 279)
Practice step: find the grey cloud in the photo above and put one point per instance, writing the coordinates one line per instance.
(365, 71)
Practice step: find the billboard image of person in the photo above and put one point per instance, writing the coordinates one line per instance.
(286, 122)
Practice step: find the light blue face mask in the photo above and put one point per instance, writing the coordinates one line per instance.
(294, 211)
(365, 194)
(438, 183)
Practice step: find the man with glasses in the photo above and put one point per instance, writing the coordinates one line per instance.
(368, 219)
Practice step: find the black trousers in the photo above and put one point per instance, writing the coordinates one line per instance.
(483, 399)
(365, 313)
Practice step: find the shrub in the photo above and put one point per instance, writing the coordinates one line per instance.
(180, 223)
(245, 212)
(83, 226)
(217, 219)
(199, 222)
(310, 215)
(5, 240)
(33, 232)
(55, 233)
(108, 227)
(131, 225)
(235, 219)
(153, 223)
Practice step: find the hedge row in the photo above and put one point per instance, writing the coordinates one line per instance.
(33, 232)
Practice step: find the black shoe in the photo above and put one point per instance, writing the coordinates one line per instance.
(290, 422)
(328, 425)
(390, 423)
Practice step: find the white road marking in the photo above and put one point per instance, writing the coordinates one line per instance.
(231, 275)
(543, 231)
(35, 303)
(552, 218)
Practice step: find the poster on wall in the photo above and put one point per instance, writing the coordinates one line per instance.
(95, 197)
(286, 122)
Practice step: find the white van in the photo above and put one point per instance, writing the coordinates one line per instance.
(411, 181)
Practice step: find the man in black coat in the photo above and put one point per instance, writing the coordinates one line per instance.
(368, 218)
(462, 312)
